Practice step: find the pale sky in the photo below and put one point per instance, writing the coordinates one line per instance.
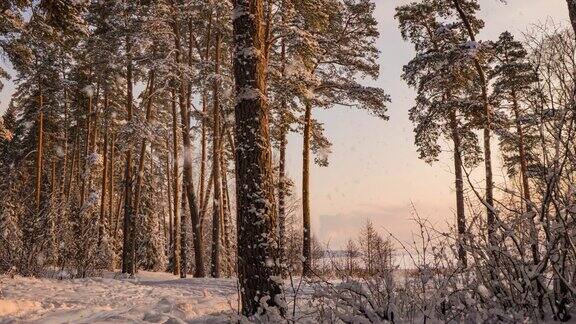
(374, 169)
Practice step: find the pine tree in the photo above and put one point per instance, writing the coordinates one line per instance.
(514, 78)
(40, 55)
(336, 46)
(351, 253)
(255, 205)
(465, 11)
(444, 102)
(185, 127)
(375, 251)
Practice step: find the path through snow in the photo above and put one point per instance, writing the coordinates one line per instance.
(151, 297)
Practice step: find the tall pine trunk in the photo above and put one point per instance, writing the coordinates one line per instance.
(255, 203)
(183, 235)
(203, 148)
(104, 184)
(202, 180)
(54, 222)
(87, 142)
(217, 198)
(459, 184)
(73, 166)
(306, 235)
(169, 196)
(141, 164)
(111, 217)
(226, 216)
(187, 164)
(527, 197)
(175, 206)
(282, 164)
(489, 198)
(207, 196)
(128, 265)
(39, 152)
(65, 157)
(522, 153)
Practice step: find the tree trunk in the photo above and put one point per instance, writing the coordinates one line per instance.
(489, 199)
(282, 166)
(65, 157)
(217, 198)
(491, 216)
(94, 116)
(56, 214)
(73, 165)
(39, 153)
(117, 213)
(140, 173)
(204, 56)
(183, 236)
(176, 207)
(226, 216)
(192, 203)
(256, 213)
(104, 183)
(86, 152)
(525, 180)
(202, 180)
(187, 167)
(207, 196)
(111, 217)
(522, 154)
(226, 205)
(128, 265)
(306, 234)
(169, 194)
(459, 184)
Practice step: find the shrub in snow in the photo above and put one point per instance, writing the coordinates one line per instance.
(355, 300)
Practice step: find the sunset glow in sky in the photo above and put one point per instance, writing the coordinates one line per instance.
(374, 170)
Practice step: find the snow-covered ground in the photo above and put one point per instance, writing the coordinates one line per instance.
(151, 297)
